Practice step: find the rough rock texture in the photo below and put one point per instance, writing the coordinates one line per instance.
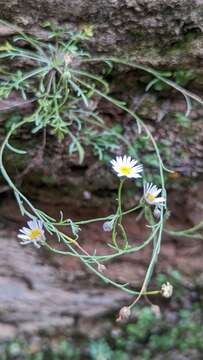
(37, 296)
(48, 170)
(35, 293)
(48, 294)
(157, 32)
(163, 34)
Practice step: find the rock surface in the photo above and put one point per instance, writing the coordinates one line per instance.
(38, 296)
(38, 293)
(53, 294)
(155, 32)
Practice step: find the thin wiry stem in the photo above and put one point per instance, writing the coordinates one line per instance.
(71, 80)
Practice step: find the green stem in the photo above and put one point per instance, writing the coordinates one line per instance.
(187, 232)
(118, 220)
(120, 252)
(141, 124)
(150, 71)
(109, 217)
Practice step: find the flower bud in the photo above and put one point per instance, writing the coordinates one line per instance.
(101, 268)
(108, 225)
(68, 58)
(124, 314)
(167, 290)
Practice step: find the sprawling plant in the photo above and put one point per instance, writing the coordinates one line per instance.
(64, 91)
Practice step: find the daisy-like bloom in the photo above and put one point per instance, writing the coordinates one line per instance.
(167, 290)
(126, 166)
(32, 234)
(151, 192)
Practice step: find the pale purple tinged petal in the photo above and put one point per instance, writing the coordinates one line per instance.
(31, 224)
(40, 224)
(35, 223)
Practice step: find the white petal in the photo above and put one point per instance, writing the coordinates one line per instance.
(40, 224)
(157, 192)
(138, 168)
(125, 160)
(119, 160)
(20, 236)
(133, 162)
(36, 244)
(25, 230)
(116, 167)
(114, 162)
(35, 223)
(153, 189)
(32, 224)
(128, 160)
(136, 176)
(159, 200)
(24, 242)
(149, 188)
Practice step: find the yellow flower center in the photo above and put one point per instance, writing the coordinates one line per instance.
(125, 170)
(150, 197)
(34, 234)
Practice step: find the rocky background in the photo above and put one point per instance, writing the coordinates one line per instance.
(40, 292)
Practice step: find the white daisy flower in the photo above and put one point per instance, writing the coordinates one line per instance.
(151, 192)
(126, 166)
(33, 234)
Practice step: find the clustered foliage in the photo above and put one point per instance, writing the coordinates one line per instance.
(65, 94)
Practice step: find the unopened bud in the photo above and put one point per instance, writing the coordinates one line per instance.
(124, 314)
(167, 290)
(101, 268)
(107, 226)
(68, 58)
